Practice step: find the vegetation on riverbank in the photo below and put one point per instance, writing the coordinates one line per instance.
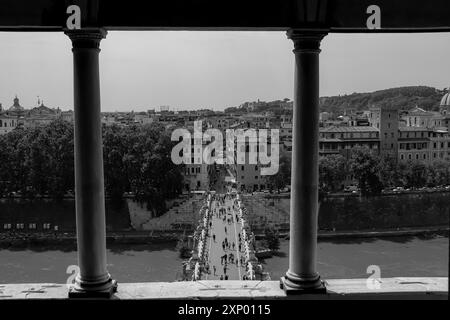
(40, 162)
(375, 173)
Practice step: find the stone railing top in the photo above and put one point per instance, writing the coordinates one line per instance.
(394, 288)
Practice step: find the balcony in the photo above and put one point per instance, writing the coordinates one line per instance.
(390, 288)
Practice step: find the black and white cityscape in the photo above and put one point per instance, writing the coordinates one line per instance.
(154, 160)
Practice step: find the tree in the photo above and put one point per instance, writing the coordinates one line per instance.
(418, 175)
(438, 173)
(137, 158)
(283, 176)
(272, 239)
(332, 172)
(364, 165)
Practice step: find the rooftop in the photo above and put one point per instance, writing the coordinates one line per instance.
(349, 129)
(410, 128)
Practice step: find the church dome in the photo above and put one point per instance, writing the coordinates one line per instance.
(445, 102)
(16, 106)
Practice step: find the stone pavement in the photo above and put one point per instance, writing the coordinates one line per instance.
(235, 270)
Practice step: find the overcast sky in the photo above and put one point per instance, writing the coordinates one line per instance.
(187, 70)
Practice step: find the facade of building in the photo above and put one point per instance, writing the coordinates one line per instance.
(17, 116)
(7, 123)
(196, 175)
(386, 120)
(345, 140)
(41, 116)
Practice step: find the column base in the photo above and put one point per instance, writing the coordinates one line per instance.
(103, 291)
(303, 286)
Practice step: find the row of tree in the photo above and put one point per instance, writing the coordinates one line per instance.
(372, 172)
(375, 173)
(40, 161)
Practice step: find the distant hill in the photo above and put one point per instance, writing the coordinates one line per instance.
(427, 98)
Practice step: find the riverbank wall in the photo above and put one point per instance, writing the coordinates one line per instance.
(14, 239)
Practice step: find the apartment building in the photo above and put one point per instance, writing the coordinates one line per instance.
(345, 140)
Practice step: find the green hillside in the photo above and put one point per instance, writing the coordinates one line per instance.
(427, 98)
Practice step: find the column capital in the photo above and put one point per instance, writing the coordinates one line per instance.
(86, 38)
(306, 40)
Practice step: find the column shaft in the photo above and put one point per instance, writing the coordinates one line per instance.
(302, 274)
(89, 181)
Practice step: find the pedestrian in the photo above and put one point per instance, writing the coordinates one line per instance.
(225, 229)
(221, 277)
(225, 269)
(214, 237)
(226, 277)
(214, 269)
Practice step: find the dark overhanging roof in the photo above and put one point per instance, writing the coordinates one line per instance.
(264, 15)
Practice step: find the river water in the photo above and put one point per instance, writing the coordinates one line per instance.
(397, 256)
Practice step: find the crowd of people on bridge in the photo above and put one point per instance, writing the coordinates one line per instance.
(228, 208)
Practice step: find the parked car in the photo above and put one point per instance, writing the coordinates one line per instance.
(351, 189)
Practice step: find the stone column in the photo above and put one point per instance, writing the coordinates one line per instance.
(302, 276)
(93, 279)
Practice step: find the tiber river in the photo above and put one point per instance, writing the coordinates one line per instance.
(396, 256)
(405, 257)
